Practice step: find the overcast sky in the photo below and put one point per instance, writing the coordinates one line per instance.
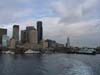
(78, 19)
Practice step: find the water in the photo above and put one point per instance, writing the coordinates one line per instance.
(54, 64)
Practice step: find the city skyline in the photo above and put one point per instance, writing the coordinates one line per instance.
(78, 20)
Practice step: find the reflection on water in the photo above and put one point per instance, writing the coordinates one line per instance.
(55, 64)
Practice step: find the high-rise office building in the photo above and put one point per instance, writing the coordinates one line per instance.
(40, 31)
(23, 36)
(28, 29)
(68, 43)
(29, 37)
(16, 32)
(33, 36)
(2, 32)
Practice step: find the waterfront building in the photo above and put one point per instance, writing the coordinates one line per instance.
(59, 45)
(12, 43)
(33, 36)
(40, 31)
(5, 41)
(45, 44)
(2, 32)
(68, 43)
(28, 29)
(23, 36)
(51, 43)
(16, 32)
(29, 37)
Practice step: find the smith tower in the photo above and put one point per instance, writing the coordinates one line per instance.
(39, 31)
(68, 43)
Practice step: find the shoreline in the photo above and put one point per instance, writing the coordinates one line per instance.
(12, 53)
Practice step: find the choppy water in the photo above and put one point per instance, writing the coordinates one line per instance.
(54, 64)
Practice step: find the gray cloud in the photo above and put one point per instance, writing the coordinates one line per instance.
(77, 10)
(12, 11)
(78, 19)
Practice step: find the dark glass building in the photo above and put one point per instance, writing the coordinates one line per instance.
(16, 32)
(2, 32)
(51, 43)
(23, 36)
(39, 31)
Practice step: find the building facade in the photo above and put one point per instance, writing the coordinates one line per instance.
(23, 36)
(5, 41)
(12, 43)
(45, 44)
(40, 31)
(60, 45)
(2, 32)
(16, 32)
(33, 36)
(29, 37)
(28, 29)
(51, 43)
(68, 43)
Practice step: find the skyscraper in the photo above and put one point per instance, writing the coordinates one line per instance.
(23, 36)
(40, 31)
(33, 36)
(68, 43)
(29, 35)
(2, 32)
(28, 29)
(16, 32)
